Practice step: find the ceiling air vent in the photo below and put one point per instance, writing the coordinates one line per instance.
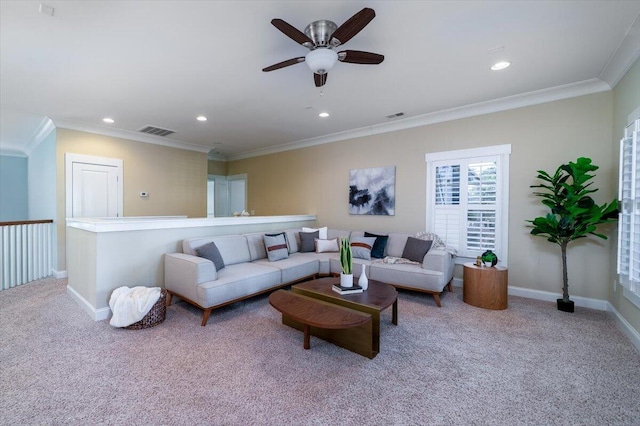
(396, 115)
(157, 131)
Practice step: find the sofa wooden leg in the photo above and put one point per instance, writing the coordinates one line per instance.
(205, 316)
(437, 298)
(449, 286)
(169, 298)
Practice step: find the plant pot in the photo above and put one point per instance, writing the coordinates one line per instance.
(565, 306)
(346, 280)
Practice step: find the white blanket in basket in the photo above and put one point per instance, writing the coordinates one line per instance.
(130, 305)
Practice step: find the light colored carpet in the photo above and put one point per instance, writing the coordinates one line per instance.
(457, 365)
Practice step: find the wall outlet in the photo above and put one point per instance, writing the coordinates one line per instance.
(144, 194)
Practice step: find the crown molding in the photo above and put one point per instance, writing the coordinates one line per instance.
(128, 134)
(43, 130)
(537, 97)
(627, 53)
(216, 157)
(12, 153)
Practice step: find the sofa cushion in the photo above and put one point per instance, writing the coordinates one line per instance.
(408, 276)
(236, 282)
(210, 251)
(415, 249)
(307, 241)
(361, 247)
(322, 231)
(276, 246)
(327, 246)
(396, 243)
(378, 247)
(297, 266)
(255, 241)
(293, 240)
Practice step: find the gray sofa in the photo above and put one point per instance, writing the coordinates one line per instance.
(248, 272)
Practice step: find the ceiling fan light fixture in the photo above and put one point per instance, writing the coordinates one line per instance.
(321, 60)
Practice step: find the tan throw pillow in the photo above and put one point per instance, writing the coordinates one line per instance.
(324, 246)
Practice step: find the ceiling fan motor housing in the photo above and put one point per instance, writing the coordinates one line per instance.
(320, 32)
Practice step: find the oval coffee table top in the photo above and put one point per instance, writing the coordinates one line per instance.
(379, 295)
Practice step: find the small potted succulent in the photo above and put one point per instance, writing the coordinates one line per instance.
(346, 277)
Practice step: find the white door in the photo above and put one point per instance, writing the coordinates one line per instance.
(95, 190)
(237, 193)
(94, 186)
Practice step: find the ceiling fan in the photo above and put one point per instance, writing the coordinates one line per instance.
(321, 38)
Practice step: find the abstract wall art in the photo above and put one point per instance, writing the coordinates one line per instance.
(372, 191)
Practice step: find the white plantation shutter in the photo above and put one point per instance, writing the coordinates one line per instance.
(467, 198)
(482, 204)
(447, 204)
(629, 207)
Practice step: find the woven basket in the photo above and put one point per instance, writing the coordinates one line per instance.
(155, 316)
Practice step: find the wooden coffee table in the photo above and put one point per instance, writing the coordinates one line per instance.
(378, 297)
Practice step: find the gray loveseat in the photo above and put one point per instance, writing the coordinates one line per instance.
(248, 272)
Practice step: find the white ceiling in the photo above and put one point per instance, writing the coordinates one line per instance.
(162, 63)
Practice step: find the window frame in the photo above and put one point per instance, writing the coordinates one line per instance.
(632, 130)
(502, 153)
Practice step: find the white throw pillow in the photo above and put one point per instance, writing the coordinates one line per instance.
(322, 232)
(324, 246)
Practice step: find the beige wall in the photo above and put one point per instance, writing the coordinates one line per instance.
(217, 167)
(626, 100)
(314, 180)
(175, 179)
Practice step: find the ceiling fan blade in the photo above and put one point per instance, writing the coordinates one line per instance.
(283, 64)
(320, 79)
(353, 26)
(359, 57)
(292, 32)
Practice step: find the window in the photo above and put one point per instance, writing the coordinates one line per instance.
(467, 199)
(629, 206)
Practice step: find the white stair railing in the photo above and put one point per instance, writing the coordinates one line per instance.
(26, 251)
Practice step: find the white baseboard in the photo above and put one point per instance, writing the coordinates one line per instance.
(97, 314)
(59, 274)
(625, 327)
(585, 302)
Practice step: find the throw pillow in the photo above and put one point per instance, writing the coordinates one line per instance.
(415, 249)
(286, 240)
(307, 241)
(323, 232)
(324, 246)
(210, 251)
(361, 247)
(276, 246)
(378, 247)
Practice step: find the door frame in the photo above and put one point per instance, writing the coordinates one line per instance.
(70, 158)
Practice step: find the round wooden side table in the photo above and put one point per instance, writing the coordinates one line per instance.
(485, 286)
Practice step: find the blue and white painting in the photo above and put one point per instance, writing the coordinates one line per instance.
(373, 191)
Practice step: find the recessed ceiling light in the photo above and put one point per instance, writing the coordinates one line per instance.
(323, 114)
(500, 65)
(201, 118)
(108, 120)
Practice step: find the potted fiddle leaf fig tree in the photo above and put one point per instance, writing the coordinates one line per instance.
(573, 213)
